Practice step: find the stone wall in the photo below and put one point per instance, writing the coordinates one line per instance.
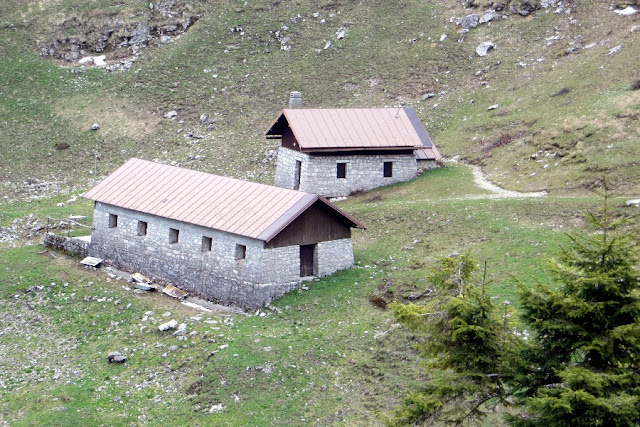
(332, 256)
(72, 245)
(363, 171)
(425, 165)
(263, 275)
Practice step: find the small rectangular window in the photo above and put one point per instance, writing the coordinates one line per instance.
(387, 170)
(142, 228)
(341, 170)
(207, 243)
(113, 221)
(241, 251)
(173, 235)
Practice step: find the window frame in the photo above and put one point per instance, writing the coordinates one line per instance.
(387, 173)
(207, 244)
(341, 170)
(143, 228)
(174, 235)
(113, 221)
(241, 252)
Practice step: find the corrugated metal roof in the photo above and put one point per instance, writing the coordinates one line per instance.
(343, 129)
(428, 153)
(227, 204)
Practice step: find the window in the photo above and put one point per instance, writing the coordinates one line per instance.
(207, 243)
(241, 252)
(113, 221)
(142, 228)
(387, 169)
(173, 235)
(341, 170)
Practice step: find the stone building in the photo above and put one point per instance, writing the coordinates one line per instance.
(227, 240)
(336, 152)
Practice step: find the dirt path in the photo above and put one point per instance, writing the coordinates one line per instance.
(481, 180)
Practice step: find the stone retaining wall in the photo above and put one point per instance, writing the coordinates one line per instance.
(72, 245)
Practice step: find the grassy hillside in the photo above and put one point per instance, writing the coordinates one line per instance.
(565, 119)
(325, 355)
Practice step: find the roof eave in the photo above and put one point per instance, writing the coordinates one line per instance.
(353, 148)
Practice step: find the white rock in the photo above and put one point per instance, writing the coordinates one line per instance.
(628, 11)
(634, 202)
(171, 114)
(172, 324)
(484, 48)
(100, 61)
(443, 37)
(615, 49)
(493, 107)
(217, 408)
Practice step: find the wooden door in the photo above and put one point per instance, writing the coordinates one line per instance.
(306, 260)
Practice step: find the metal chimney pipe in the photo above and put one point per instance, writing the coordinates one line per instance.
(295, 100)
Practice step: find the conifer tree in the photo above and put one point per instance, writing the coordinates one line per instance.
(464, 339)
(583, 367)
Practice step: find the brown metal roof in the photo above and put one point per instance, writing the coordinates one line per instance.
(240, 207)
(352, 129)
(428, 153)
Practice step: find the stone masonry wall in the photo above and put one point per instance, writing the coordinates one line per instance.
(332, 256)
(265, 274)
(364, 171)
(425, 165)
(71, 245)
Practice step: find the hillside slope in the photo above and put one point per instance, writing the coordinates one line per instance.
(560, 75)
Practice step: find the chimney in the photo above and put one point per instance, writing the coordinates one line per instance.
(295, 100)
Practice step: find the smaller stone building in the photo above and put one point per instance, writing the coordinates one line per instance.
(336, 152)
(227, 240)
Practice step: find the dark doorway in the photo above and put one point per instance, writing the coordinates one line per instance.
(307, 253)
(297, 172)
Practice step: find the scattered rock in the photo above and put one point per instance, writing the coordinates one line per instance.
(95, 126)
(171, 114)
(484, 48)
(443, 37)
(341, 34)
(428, 96)
(217, 408)
(116, 357)
(182, 330)
(615, 49)
(493, 107)
(172, 324)
(467, 22)
(633, 202)
(627, 11)
(488, 16)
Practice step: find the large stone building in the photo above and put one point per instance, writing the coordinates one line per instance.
(337, 152)
(230, 241)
